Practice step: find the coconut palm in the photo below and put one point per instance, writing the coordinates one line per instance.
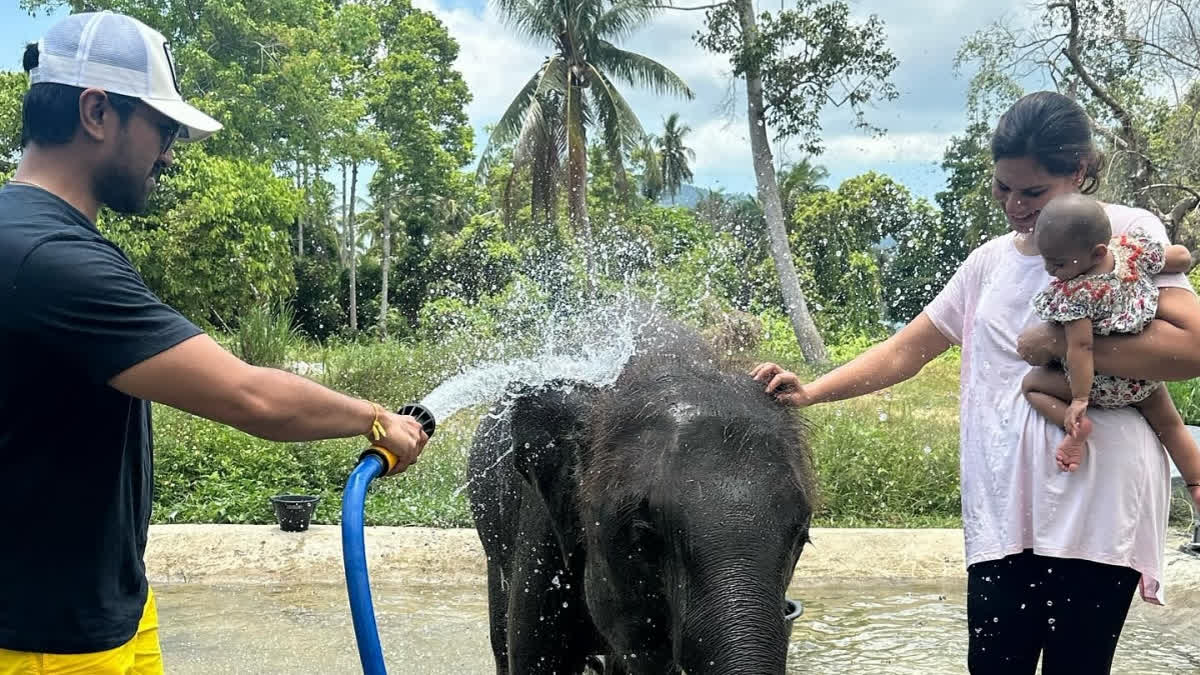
(799, 179)
(652, 180)
(674, 155)
(581, 71)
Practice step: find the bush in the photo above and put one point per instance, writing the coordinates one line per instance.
(266, 334)
(209, 473)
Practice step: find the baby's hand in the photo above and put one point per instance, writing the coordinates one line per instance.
(1075, 413)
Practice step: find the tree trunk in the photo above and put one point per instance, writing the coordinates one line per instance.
(352, 249)
(811, 344)
(383, 268)
(304, 211)
(342, 229)
(577, 180)
(539, 186)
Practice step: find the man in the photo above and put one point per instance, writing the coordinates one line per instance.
(86, 347)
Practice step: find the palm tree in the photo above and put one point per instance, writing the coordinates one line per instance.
(652, 179)
(675, 155)
(575, 84)
(799, 179)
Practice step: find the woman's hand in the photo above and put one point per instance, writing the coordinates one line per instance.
(783, 384)
(1041, 343)
(1194, 490)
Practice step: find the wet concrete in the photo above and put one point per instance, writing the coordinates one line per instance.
(253, 599)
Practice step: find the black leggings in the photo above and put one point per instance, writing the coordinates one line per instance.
(1070, 611)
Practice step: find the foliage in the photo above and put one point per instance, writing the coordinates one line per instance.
(674, 155)
(473, 262)
(265, 334)
(12, 90)
(837, 235)
(799, 179)
(645, 157)
(216, 240)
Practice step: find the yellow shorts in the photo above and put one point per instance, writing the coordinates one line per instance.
(140, 656)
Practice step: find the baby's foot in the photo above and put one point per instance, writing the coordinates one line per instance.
(1070, 452)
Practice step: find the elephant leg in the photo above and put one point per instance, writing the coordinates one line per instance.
(548, 627)
(498, 615)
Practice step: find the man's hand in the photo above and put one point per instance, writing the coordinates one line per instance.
(1194, 490)
(404, 438)
(783, 384)
(1041, 343)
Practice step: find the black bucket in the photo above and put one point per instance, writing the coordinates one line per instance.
(294, 511)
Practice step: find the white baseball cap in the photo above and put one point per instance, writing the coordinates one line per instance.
(122, 55)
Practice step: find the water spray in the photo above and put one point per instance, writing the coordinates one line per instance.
(372, 463)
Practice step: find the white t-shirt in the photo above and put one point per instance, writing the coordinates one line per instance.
(1113, 509)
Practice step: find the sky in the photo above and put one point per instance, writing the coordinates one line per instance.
(924, 36)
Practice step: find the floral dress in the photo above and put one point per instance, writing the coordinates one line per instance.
(1121, 301)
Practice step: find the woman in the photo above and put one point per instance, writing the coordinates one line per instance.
(1053, 558)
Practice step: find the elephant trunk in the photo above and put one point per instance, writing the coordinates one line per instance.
(733, 623)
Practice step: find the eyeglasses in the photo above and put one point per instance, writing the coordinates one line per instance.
(169, 132)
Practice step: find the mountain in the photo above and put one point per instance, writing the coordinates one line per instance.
(688, 196)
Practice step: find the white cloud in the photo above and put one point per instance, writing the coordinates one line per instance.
(893, 147)
(494, 61)
(721, 143)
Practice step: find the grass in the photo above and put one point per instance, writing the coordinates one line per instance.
(885, 460)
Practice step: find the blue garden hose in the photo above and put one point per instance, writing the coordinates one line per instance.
(373, 463)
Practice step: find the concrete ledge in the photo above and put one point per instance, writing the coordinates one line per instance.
(263, 554)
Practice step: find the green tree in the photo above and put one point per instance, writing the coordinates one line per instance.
(837, 235)
(799, 179)
(581, 71)
(416, 100)
(794, 63)
(12, 91)
(646, 157)
(215, 241)
(674, 155)
(968, 209)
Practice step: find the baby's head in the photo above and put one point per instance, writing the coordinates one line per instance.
(1072, 235)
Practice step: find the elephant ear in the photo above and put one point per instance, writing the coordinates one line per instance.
(546, 431)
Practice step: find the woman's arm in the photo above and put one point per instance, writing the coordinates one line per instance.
(1168, 349)
(887, 363)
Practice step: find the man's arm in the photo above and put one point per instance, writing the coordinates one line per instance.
(200, 377)
(1168, 349)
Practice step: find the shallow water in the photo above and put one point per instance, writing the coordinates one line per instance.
(441, 629)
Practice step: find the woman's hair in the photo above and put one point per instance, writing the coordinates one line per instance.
(1053, 130)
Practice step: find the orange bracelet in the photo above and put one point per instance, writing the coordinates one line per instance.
(377, 431)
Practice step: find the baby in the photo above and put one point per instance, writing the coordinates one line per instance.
(1102, 285)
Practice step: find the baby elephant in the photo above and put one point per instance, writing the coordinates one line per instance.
(655, 523)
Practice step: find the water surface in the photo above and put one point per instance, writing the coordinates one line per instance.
(439, 629)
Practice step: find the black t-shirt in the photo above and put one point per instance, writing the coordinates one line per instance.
(76, 457)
